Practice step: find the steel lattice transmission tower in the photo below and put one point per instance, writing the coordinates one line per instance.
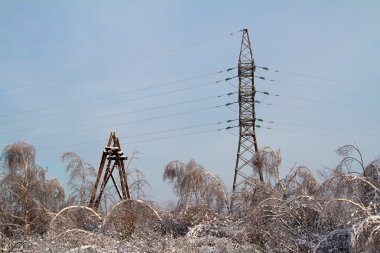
(244, 169)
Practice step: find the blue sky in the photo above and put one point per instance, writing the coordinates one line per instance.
(71, 54)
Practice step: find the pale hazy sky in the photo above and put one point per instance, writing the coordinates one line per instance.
(74, 57)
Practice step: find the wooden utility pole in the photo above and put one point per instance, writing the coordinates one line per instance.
(114, 157)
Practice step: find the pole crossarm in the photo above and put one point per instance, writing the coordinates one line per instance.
(112, 158)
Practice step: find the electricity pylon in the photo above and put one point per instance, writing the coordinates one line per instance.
(247, 148)
(113, 153)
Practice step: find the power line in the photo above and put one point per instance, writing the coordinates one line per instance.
(231, 133)
(142, 134)
(307, 75)
(113, 103)
(261, 102)
(319, 101)
(271, 81)
(162, 138)
(116, 114)
(322, 102)
(317, 134)
(181, 135)
(306, 109)
(320, 128)
(121, 113)
(131, 122)
(119, 93)
(204, 132)
(312, 100)
(307, 99)
(41, 82)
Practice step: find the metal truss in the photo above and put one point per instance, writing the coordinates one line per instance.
(244, 168)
